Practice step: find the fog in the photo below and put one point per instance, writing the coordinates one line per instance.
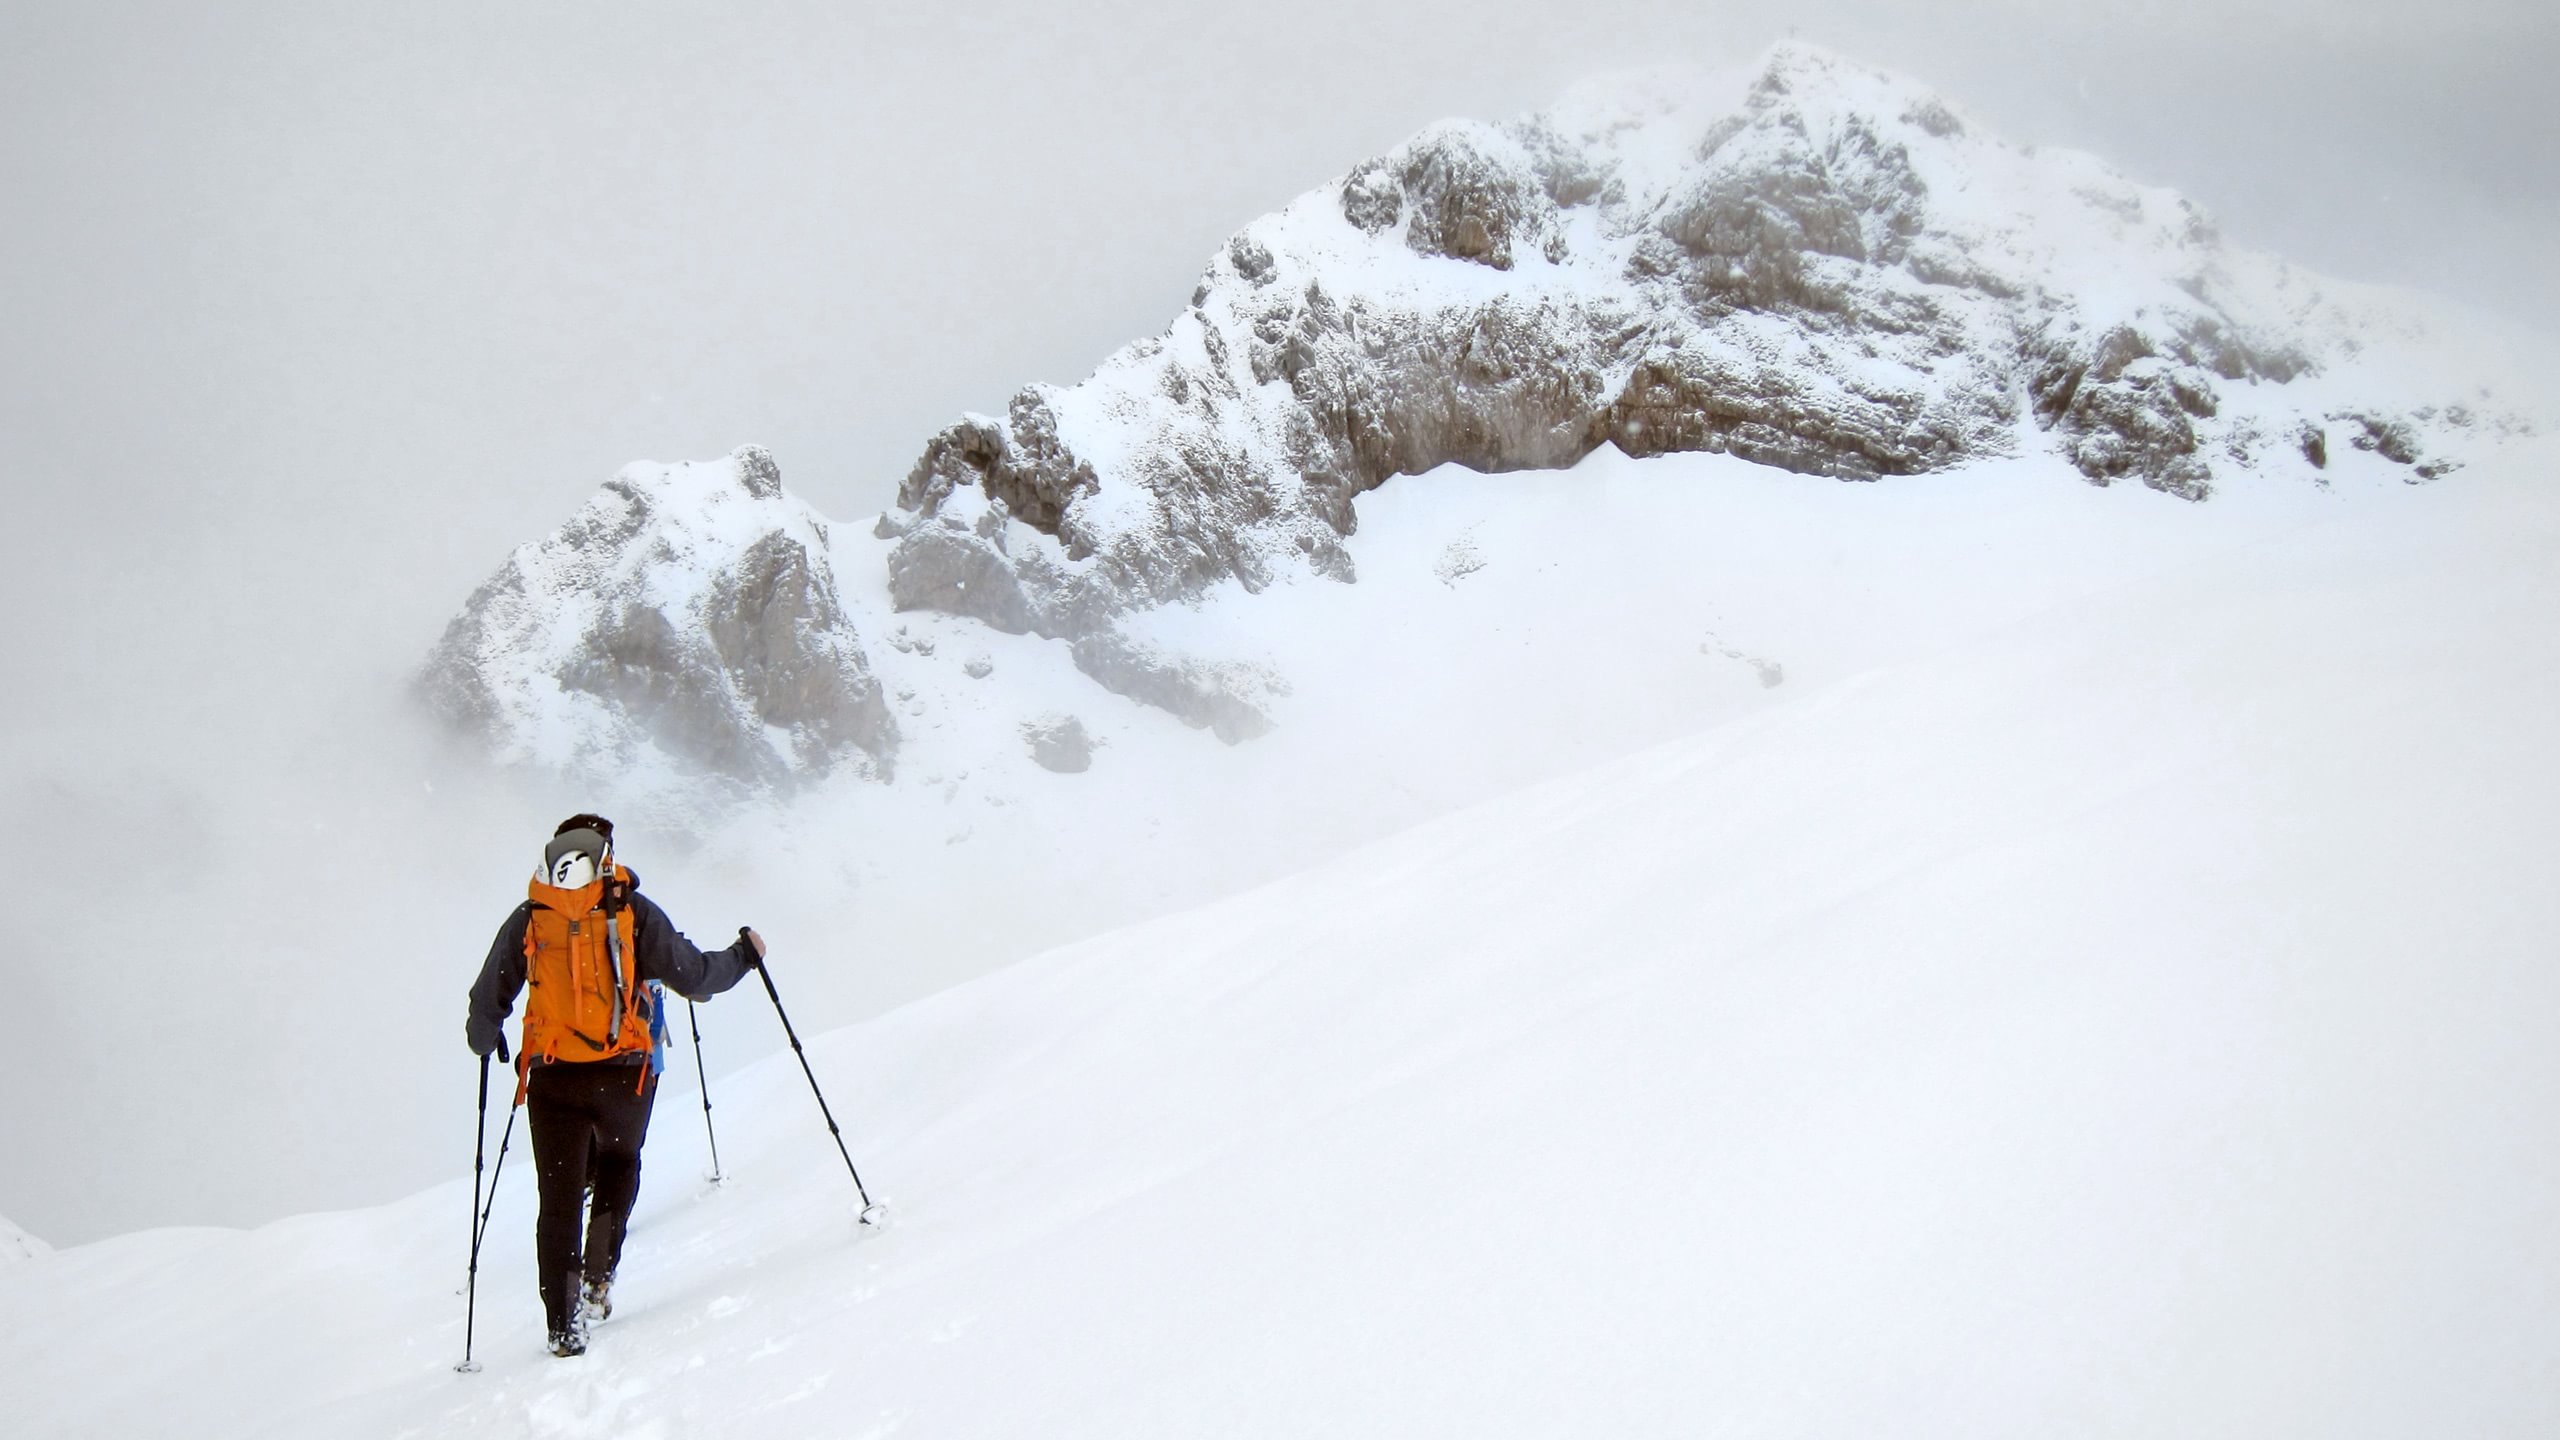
(311, 313)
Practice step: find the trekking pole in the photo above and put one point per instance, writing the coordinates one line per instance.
(693, 1015)
(872, 1214)
(479, 1150)
(480, 1213)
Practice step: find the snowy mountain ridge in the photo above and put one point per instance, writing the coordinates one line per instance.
(1812, 265)
(1831, 271)
(686, 623)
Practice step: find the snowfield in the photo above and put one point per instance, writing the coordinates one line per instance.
(2104, 986)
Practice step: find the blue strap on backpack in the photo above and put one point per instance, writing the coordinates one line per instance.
(657, 1028)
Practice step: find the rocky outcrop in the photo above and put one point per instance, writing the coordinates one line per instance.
(1834, 273)
(962, 562)
(1461, 193)
(1059, 743)
(686, 621)
(1821, 268)
(1228, 698)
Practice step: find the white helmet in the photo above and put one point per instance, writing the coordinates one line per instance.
(574, 858)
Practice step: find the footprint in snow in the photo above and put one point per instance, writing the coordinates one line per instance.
(596, 1403)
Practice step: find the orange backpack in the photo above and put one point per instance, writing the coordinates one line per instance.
(584, 1000)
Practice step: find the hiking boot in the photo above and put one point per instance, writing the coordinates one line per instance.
(596, 1300)
(571, 1338)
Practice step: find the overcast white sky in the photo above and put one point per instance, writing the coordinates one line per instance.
(309, 312)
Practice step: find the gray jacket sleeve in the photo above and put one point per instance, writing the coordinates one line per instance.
(668, 957)
(493, 995)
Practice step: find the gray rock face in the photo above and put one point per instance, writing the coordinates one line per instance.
(1059, 743)
(687, 622)
(1834, 273)
(1460, 198)
(2126, 404)
(959, 562)
(1225, 697)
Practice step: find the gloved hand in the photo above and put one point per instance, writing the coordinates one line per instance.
(480, 1045)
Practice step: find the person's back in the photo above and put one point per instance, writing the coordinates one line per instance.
(593, 951)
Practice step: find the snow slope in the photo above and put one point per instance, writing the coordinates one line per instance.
(1596, 620)
(2128, 1020)
(1541, 622)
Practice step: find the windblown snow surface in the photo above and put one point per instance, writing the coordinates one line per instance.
(2103, 987)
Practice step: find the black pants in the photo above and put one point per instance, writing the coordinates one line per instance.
(587, 1122)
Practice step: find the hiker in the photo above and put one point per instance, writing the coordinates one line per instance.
(596, 951)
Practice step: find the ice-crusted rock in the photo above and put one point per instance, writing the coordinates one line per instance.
(1819, 267)
(686, 622)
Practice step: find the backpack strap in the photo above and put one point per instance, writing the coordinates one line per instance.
(524, 1050)
(613, 963)
(617, 900)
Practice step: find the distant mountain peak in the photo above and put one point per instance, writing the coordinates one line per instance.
(685, 623)
(1816, 265)
(1811, 264)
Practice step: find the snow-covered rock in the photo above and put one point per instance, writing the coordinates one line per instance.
(685, 623)
(1059, 743)
(1811, 265)
(1821, 267)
